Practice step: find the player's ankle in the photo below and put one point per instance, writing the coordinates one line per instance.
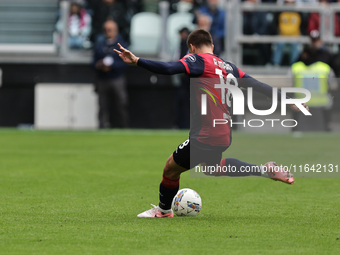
(165, 211)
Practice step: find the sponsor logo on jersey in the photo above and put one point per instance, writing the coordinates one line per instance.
(192, 58)
(228, 67)
(222, 65)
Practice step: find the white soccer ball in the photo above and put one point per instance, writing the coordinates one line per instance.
(187, 202)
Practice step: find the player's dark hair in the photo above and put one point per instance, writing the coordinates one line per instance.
(199, 37)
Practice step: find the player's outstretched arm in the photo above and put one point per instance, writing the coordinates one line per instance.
(266, 90)
(154, 66)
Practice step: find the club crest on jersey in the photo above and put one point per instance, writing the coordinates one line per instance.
(192, 58)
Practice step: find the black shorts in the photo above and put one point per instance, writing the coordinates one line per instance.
(191, 153)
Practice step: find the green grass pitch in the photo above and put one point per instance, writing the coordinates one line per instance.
(80, 192)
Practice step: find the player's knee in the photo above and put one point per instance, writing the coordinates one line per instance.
(170, 170)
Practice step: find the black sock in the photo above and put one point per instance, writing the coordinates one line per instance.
(166, 196)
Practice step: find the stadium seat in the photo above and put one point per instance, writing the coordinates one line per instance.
(175, 23)
(24, 22)
(146, 33)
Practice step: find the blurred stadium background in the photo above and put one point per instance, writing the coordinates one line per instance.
(66, 192)
(47, 84)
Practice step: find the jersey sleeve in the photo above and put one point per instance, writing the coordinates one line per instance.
(241, 73)
(194, 65)
(235, 70)
(162, 67)
(261, 87)
(249, 81)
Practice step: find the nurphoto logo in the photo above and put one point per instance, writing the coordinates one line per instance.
(230, 90)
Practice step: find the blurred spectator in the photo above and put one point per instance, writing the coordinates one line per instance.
(218, 16)
(184, 33)
(256, 23)
(79, 26)
(314, 20)
(138, 5)
(132, 7)
(301, 2)
(110, 83)
(182, 90)
(118, 11)
(185, 5)
(316, 61)
(316, 51)
(288, 25)
(91, 6)
(204, 22)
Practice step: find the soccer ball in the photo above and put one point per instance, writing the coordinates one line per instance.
(187, 202)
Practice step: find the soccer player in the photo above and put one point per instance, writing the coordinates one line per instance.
(205, 144)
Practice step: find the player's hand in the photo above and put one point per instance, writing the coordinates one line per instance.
(296, 109)
(127, 56)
